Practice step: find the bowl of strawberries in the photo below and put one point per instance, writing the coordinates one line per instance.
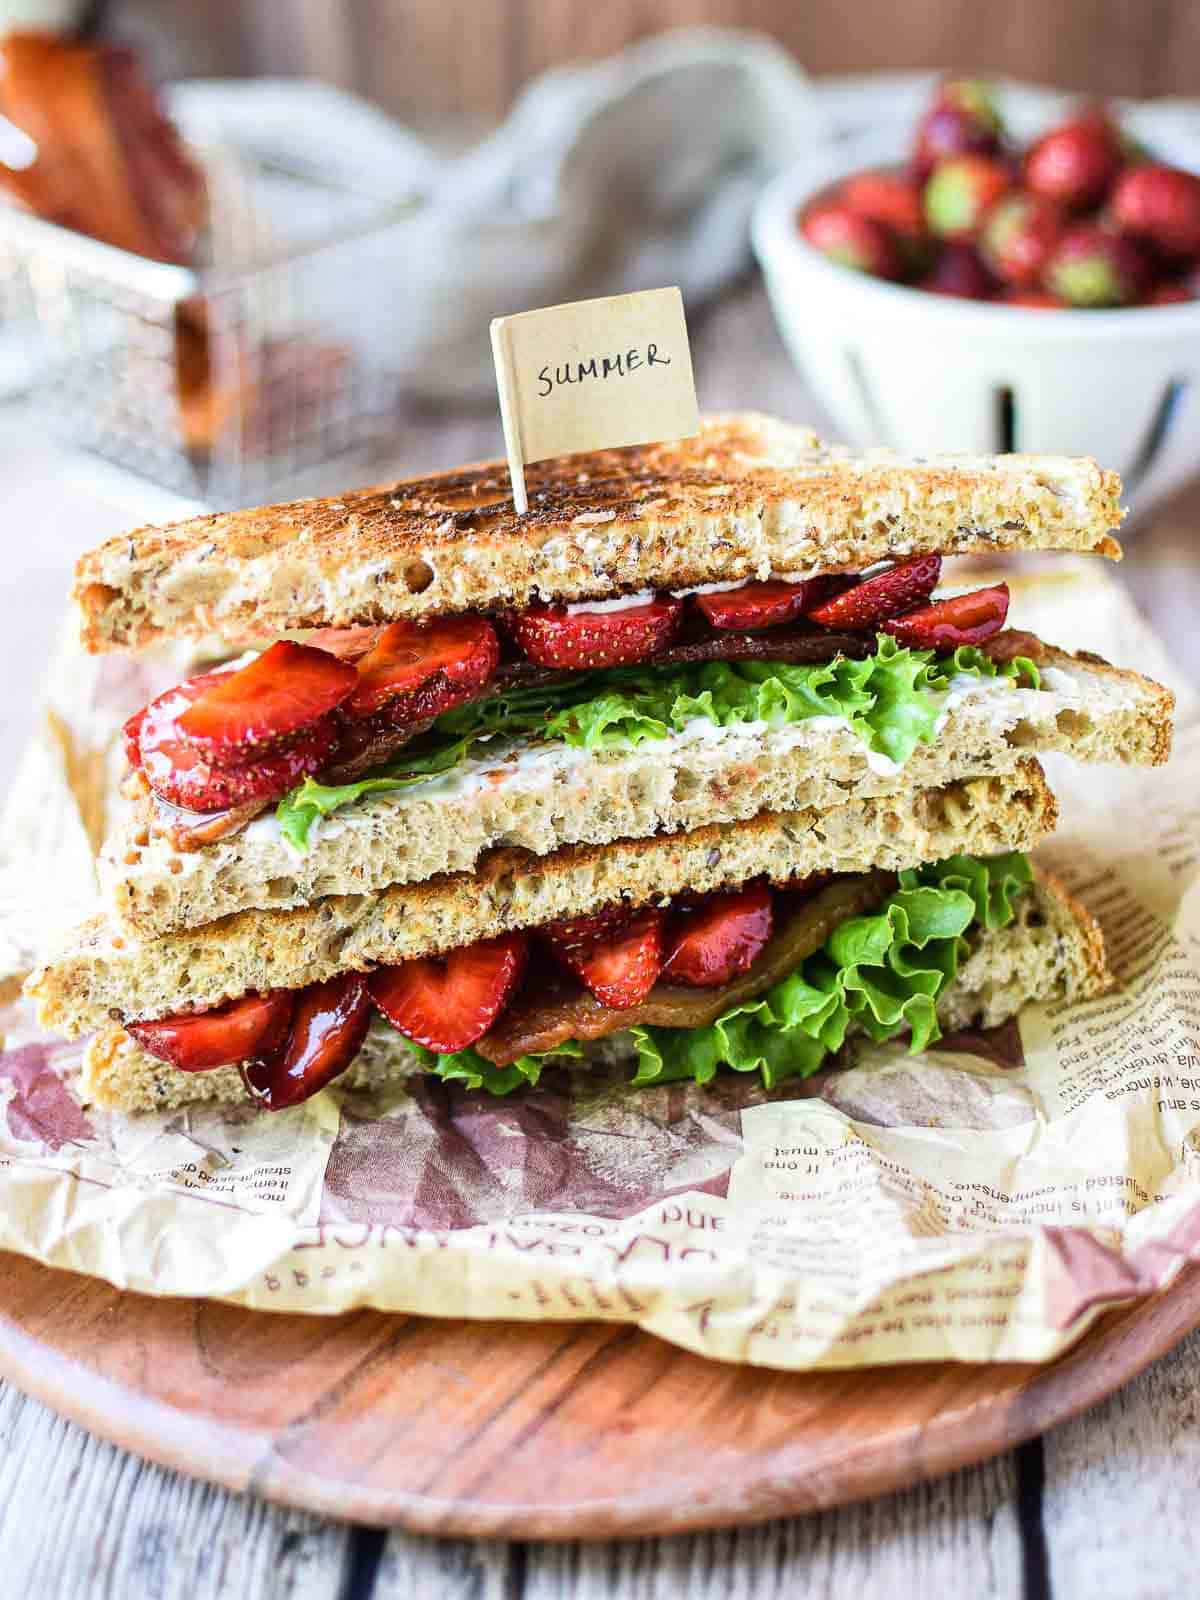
(1013, 273)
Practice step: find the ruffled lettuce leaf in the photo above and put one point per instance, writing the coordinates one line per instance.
(448, 744)
(880, 973)
(891, 700)
(470, 1068)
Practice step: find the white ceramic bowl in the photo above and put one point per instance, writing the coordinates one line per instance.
(921, 372)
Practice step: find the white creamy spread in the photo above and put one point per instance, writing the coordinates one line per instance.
(623, 602)
(713, 588)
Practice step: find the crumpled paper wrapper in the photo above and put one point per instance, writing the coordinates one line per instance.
(984, 1201)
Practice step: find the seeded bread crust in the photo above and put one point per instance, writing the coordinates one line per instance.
(1054, 950)
(100, 975)
(748, 497)
(1097, 713)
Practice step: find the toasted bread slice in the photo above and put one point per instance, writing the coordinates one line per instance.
(1053, 950)
(100, 973)
(748, 497)
(542, 798)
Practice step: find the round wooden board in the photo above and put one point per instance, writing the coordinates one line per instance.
(562, 1430)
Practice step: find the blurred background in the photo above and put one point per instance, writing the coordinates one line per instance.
(253, 238)
(430, 62)
(249, 249)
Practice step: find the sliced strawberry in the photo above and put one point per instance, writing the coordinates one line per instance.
(721, 937)
(241, 1030)
(767, 605)
(572, 936)
(131, 732)
(621, 965)
(885, 595)
(184, 777)
(555, 637)
(328, 1027)
(259, 708)
(946, 624)
(420, 669)
(446, 1003)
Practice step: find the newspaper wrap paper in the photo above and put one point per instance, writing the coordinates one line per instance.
(957, 1204)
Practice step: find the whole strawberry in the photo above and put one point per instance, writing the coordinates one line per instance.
(1094, 267)
(1170, 293)
(853, 240)
(960, 194)
(1032, 299)
(962, 120)
(1075, 165)
(1159, 205)
(1019, 237)
(959, 271)
(893, 199)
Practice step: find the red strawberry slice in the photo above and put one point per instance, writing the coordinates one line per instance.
(946, 624)
(721, 937)
(580, 935)
(620, 962)
(885, 595)
(420, 669)
(131, 732)
(768, 605)
(180, 774)
(555, 637)
(446, 1003)
(239, 1031)
(328, 1027)
(262, 706)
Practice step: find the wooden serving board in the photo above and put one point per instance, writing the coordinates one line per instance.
(572, 1430)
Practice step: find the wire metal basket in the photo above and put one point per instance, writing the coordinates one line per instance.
(227, 383)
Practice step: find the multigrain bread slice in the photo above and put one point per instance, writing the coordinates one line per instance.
(100, 974)
(542, 798)
(748, 496)
(1053, 950)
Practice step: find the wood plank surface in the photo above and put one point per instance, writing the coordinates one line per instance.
(1122, 1487)
(527, 1429)
(81, 1520)
(467, 59)
(960, 1535)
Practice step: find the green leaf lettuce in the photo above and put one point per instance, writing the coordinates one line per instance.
(880, 974)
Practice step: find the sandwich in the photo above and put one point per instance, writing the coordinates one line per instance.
(703, 763)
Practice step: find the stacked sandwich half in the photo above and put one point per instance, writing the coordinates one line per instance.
(693, 764)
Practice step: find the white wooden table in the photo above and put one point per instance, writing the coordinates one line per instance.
(1108, 1505)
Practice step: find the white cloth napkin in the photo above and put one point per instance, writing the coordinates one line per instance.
(630, 173)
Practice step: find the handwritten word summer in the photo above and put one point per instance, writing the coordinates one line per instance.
(599, 367)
